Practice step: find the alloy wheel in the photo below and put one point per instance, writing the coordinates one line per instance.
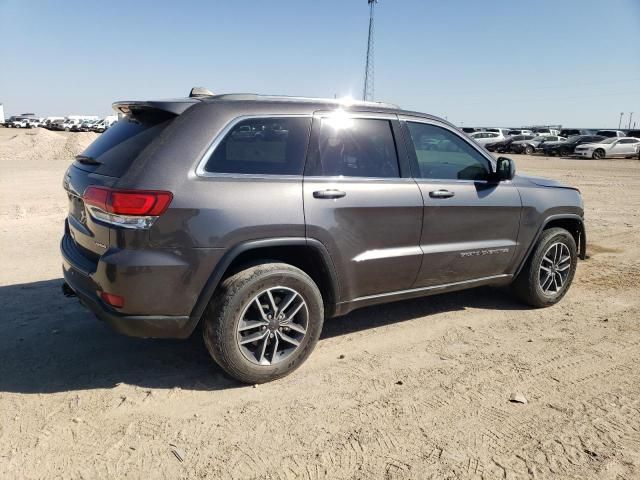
(554, 269)
(272, 325)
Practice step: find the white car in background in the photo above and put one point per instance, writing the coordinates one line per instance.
(21, 123)
(611, 133)
(611, 147)
(546, 132)
(71, 124)
(519, 131)
(502, 131)
(483, 138)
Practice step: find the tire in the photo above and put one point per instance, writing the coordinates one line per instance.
(253, 362)
(565, 152)
(528, 286)
(528, 150)
(66, 129)
(598, 154)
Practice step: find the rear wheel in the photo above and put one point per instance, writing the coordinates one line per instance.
(598, 154)
(549, 271)
(263, 322)
(528, 150)
(565, 152)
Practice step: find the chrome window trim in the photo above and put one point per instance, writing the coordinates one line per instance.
(455, 131)
(201, 164)
(341, 179)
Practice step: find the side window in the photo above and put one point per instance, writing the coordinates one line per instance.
(444, 155)
(354, 147)
(270, 146)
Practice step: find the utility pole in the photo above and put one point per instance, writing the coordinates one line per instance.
(367, 91)
(620, 121)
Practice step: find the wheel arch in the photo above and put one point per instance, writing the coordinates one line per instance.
(574, 224)
(310, 255)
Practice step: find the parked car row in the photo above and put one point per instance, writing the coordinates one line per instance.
(562, 142)
(74, 123)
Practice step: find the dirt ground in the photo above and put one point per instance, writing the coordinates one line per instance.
(421, 392)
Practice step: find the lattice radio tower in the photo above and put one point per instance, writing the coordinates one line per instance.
(367, 91)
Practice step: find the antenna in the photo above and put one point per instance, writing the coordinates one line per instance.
(367, 91)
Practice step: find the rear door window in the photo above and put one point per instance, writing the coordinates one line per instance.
(114, 151)
(354, 147)
(262, 146)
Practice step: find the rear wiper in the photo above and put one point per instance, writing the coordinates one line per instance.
(88, 160)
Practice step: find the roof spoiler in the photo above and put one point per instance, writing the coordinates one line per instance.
(176, 107)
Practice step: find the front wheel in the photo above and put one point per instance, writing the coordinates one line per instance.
(598, 154)
(263, 322)
(549, 271)
(528, 150)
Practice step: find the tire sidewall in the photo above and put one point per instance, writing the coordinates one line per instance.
(230, 357)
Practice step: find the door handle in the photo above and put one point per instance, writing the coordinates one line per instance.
(330, 193)
(441, 194)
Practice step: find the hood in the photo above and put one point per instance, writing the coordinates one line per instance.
(589, 145)
(542, 182)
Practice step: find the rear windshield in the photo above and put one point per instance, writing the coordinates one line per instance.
(114, 151)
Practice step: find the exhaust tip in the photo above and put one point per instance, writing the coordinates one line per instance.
(67, 291)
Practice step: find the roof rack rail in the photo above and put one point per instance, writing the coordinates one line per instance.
(286, 98)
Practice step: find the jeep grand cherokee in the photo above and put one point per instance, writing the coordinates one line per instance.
(260, 216)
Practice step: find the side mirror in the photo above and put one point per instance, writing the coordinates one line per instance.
(505, 169)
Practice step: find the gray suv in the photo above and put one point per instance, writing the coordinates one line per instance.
(260, 216)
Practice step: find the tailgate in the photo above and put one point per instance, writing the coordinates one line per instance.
(103, 163)
(89, 236)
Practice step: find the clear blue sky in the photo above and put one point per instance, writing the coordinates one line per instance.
(575, 62)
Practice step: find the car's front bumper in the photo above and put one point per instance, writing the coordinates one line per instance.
(583, 153)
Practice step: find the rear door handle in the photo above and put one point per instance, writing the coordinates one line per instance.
(441, 194)
(331, 193)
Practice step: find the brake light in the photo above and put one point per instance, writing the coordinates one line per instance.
(128, 202)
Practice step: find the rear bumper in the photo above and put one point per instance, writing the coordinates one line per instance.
(158, 300)
(155, 326)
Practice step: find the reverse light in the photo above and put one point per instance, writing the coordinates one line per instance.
(126, 208)
(110, 299)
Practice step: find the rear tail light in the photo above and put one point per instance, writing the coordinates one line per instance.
(126, 208)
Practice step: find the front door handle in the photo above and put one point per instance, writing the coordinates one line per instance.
(441, 194)
(331, 193)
